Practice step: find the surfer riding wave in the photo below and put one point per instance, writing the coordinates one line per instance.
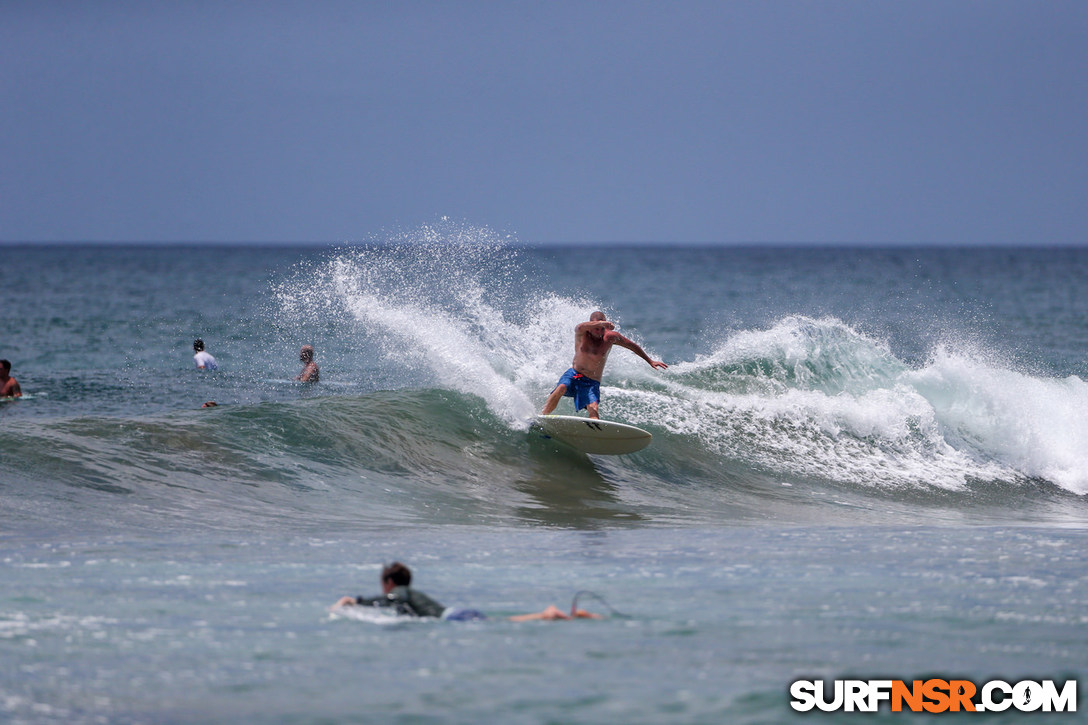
(593, 341)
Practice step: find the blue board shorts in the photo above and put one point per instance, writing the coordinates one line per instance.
(584, 390)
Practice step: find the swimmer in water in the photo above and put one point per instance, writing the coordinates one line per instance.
(203, 359)
(9, 386)
(310, 373)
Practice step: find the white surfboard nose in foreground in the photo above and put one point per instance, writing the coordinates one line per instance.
(593, 436)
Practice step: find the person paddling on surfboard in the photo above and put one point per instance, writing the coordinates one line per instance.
(592, 342)
(397, 593)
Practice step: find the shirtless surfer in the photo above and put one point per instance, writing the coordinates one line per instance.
(9, 386)
(592, 342)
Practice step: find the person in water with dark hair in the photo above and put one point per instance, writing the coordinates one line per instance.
(593, 341)
(203, 359)
(310, 372)
(398, 594)
(9, 386)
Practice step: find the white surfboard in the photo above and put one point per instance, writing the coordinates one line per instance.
(593, 436)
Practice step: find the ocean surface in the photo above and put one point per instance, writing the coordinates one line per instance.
(867, 463)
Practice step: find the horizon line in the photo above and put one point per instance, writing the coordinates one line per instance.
(549, 243)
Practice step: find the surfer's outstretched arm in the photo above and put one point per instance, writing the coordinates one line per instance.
(618, 339)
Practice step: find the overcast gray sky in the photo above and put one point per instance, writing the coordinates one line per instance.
(813, 121)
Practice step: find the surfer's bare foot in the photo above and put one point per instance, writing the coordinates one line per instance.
(552, 612)
(583, 614)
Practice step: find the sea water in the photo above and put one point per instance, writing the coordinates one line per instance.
(867, 463)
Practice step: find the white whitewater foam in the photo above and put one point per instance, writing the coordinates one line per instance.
(456, 349)
(1037, 426)
(441, 304)
(877, 422)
